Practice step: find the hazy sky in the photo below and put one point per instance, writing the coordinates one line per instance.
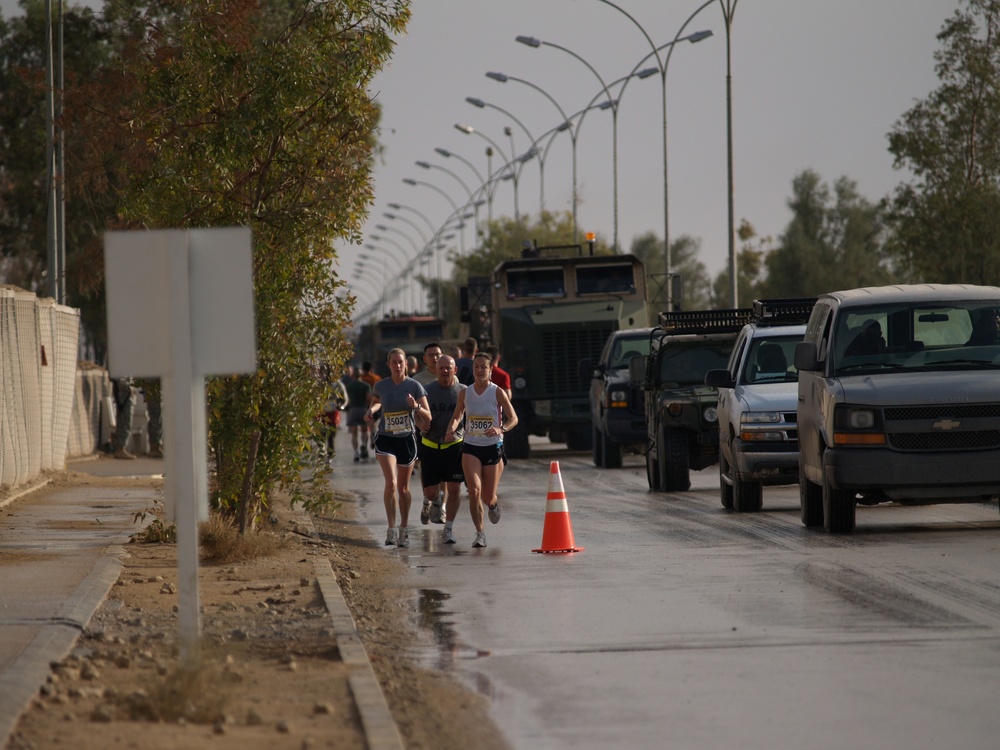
(816, 84)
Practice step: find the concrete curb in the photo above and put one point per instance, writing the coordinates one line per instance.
(381, 732)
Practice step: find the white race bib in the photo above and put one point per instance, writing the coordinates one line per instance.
(397, 422)
(476, 426)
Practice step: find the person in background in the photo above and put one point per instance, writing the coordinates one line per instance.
(986, 330)
(482, 405)
(359, 396)
(411, 366)
(454, 351)
(441, 460)
(463, 365)
(336, 401)
(153, 396)
(429, 374)
(124, 398)
(397, 401)
(498, 376)
(502, 380)
(371, 378)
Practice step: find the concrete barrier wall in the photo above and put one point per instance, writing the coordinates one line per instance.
(46, 404)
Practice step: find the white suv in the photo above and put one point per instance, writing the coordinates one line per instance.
(758, 391)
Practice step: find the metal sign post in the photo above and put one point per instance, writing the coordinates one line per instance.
(180, 307)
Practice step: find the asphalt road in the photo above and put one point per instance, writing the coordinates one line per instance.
(684, 626)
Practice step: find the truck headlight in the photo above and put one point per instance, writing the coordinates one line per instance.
(861, 419)
(710, 414)
(520, 383)
(761, 417)
(857, 426)
(618, 398)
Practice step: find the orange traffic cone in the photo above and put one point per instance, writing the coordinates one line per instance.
(557, 534)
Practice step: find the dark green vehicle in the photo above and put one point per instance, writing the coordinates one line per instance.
(681, 421)
(547, 311)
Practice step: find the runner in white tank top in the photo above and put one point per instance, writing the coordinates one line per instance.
(482, 404)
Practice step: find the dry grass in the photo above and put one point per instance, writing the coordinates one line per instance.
(221, 542)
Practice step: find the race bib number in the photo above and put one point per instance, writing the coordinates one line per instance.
(477, 426)
(397, 422)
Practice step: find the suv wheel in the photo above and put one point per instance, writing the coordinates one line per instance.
(838, 509)
(672, 452)
(810, 500)
(748, 497)
(725, 488)
(611, 453)
(598, 447)
(652, 470)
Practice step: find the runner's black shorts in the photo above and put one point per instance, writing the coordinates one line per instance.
(488, 455)
(404, 448)
(439, 465)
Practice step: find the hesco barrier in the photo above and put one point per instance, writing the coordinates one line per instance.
(48, 410)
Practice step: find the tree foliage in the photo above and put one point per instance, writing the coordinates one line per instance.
(947, 219)
(23, 141)
(749, 266)
(683, 261)
(834, 241)
(234, 112)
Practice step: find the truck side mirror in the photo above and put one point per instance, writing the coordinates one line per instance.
(719, 379)
(805, 357)
(637, 370)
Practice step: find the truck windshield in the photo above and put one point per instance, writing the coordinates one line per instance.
(927, 336)
(625, 349)
(536, 282)
(686, 364)
(604, 279)
(770, 360)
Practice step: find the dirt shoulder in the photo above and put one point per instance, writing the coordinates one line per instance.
(271, 676)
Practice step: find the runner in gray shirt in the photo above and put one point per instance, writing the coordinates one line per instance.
(440, 460)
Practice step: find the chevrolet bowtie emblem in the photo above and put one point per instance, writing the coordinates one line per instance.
(945, 424)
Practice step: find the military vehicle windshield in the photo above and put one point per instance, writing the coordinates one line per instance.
(626, 348)
(685, 364)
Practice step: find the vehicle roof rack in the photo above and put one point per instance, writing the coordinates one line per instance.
(679, 322)
(783, 311)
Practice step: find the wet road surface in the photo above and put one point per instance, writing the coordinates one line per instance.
(683, 625)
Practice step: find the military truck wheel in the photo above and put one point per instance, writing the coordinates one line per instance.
(838, 509)
(748, 497)
(515, 443)
(672, 452)
(598, 448)
(579, 440)
(725, 489)
(652, 472)
(810, 501)
(611, 453)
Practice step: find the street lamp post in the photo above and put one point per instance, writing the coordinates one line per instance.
(469, 130)
(416, 227)
(411, 209)
(402, 263)
(532, 42)
(662, 65)
(513, 152)
(728, 10)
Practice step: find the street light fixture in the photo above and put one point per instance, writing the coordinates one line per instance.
(469, 130)
(662, 66)
(411, 209)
